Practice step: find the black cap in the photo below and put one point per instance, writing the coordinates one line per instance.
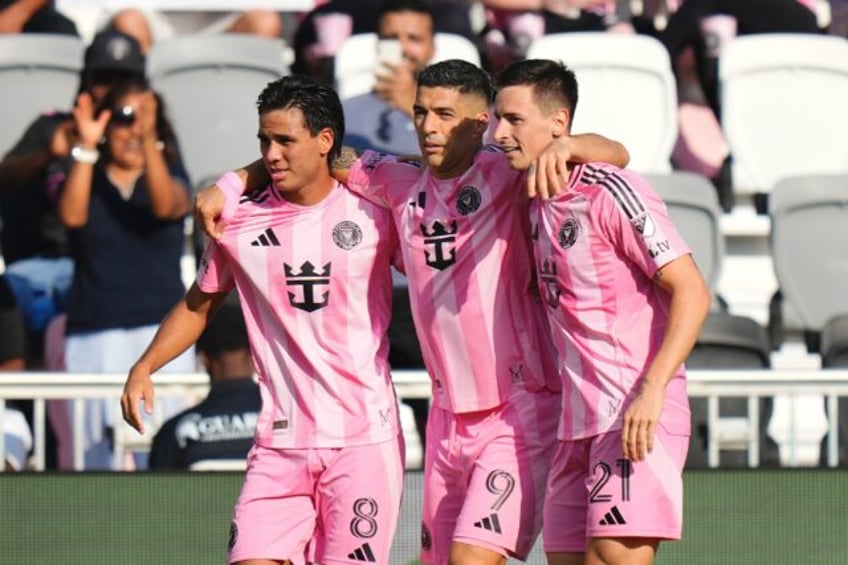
(112, 50)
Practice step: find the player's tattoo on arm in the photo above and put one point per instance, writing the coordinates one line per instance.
(346, 158)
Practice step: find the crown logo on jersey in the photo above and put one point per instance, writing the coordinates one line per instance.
(440, 237)
(568, 233)
(308, 279)
(468, 200)
(548, 276)
(347, 235)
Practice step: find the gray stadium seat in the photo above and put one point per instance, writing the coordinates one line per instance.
(726, 341)
(627, 91)
(764, 76)
(693, 206)
(38, 73)
(809, 239)
(210, 84)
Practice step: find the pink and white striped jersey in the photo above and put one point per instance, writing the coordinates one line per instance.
(315, 286)
(598, 245)
(468, 260)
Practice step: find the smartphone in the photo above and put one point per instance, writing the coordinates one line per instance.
(389, 51)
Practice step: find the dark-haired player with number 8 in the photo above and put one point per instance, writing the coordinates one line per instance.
(311, 263)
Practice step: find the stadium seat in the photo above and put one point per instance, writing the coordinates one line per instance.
(726, 341)
(356, 60)
(730, 342)
(809, 223)
(210, 84)
(693, 206)
(627, 91)
(38, 73)
(783, 108)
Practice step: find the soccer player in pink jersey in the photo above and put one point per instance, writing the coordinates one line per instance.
(310, 261)
(625, 303)
(466, 250)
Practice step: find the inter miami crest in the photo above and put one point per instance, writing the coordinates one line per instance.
(347, 235)
(568, 233)
(468, 200)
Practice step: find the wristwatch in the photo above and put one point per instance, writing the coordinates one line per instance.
(82, 154)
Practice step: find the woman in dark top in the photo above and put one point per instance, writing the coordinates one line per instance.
(123, 203)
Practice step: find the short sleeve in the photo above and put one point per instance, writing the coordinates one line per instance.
(214, 273)
(375, 176)
(636, 220)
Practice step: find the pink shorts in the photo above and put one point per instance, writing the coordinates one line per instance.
(485, 474)
(319, 505)
(594, 493)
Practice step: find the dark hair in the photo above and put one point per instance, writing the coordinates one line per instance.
(553, 83)
(461, 75)
(318, 102)
(226, 331)
(164, 131)
(417, 6)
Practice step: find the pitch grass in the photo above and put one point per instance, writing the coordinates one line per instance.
(731, 517)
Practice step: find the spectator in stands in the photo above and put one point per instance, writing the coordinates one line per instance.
(382, 119)
(148, 27)
(839, 18)
(17, 436)
(515, 24)
(690, 26)
(322, 31)
(34, 243)
(33, 16)
(123, 202)
(221, 427)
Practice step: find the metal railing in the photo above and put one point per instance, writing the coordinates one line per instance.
(713, 385)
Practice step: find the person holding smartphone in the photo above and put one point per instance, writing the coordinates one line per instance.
(382, 119)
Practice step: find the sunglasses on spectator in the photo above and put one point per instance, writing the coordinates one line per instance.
(124, 116)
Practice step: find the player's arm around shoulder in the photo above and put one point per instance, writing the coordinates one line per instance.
(372, 174)
(181, 327)
(214, 203)
(549, 174)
